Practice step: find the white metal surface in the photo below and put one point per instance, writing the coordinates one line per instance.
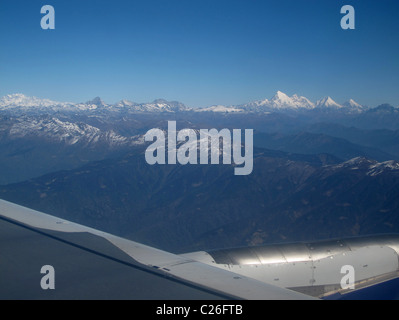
(312, 267)
(186, 269)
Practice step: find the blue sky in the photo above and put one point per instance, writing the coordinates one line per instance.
(200, 52)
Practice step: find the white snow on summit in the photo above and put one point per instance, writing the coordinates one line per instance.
(328, 102)
(68, 132)
(380, 167)
(220, 108)
(373, 167)
(20, 100)
(280, 102)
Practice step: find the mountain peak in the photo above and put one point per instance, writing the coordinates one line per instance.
(352, 103)
(281, 96)
(283, 101)
(125, 103)
(21, 100)
(328, 102)
(97, 101)
(385, 108)
(160, 101)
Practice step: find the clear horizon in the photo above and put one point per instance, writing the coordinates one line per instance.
(200, 53)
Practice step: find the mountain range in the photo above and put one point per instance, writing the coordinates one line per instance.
(321, 170)
(288, 197)
(279, 102)
(19, 103)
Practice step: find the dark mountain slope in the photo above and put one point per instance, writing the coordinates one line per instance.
(288, 197)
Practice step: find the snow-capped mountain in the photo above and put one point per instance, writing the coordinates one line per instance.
(354, 107)
(350, 106)
(328, 102)
(97, 101)
(68, 133)
(220, 109)
(280, 102)
(381, 167)
(125, 104)
(371, 167)
(22, 101)
(159, 105)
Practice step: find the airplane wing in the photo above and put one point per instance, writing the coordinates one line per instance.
(322, 269)
(45, 257)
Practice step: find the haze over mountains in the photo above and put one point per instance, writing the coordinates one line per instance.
(321, 169)
(288, 197)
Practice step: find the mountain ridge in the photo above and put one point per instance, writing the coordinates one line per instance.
(209, 207)
(280, 102)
